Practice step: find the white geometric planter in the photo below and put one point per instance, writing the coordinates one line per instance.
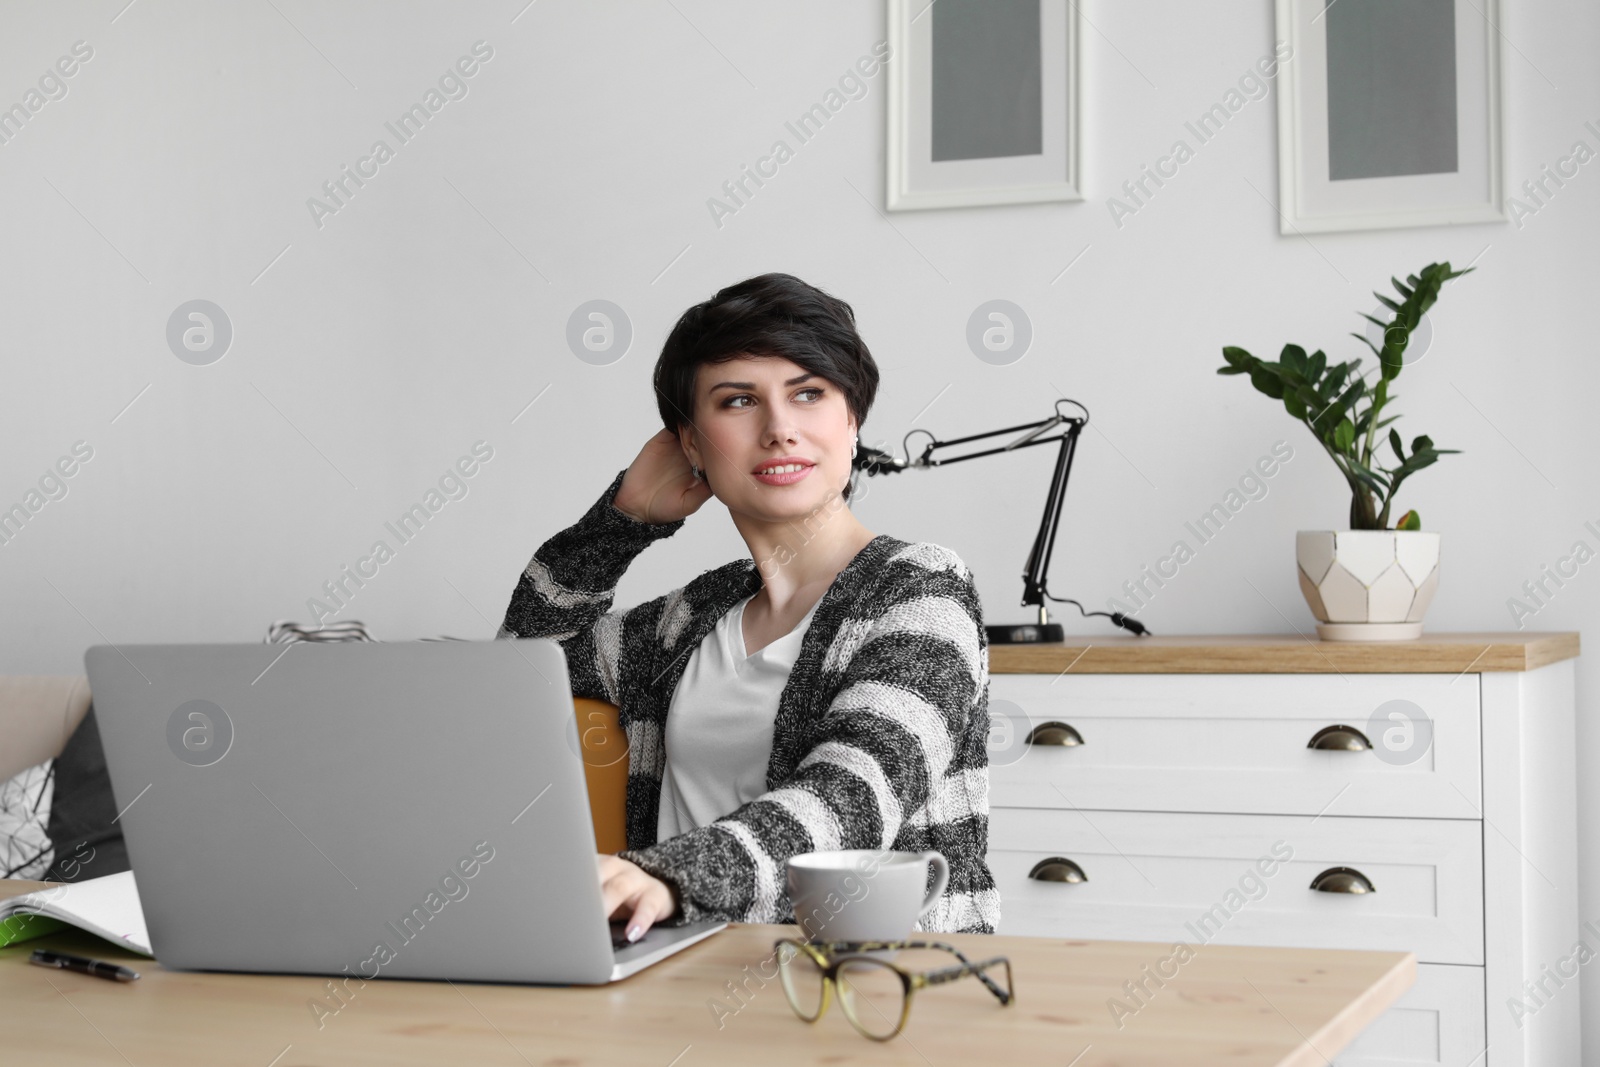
(1368, 585)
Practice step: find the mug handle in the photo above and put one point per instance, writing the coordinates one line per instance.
(941, 878)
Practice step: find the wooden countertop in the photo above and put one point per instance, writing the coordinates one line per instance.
(1239, 1006)
(1433, 653)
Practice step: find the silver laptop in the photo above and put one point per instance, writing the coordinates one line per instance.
(394, 809)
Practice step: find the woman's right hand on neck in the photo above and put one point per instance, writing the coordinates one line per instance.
(659, 487)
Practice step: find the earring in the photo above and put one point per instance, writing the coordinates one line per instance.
(853, 448)
(697, 472)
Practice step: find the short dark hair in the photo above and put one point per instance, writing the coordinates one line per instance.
(768, 315)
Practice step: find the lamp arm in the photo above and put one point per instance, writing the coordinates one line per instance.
(1038, 566)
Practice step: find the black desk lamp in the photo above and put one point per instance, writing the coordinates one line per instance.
(872, 461)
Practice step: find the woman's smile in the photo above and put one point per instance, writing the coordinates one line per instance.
(782, 473)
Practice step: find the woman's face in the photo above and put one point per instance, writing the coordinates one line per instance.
(755, 413)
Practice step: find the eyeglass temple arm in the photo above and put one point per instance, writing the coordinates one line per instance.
(951, 973)
(858, 946)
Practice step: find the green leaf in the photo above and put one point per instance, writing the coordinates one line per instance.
(1386, 302)
(1409, 521)
(1394, 443)
(1422, 457)
(1364, 339)
(1319, 363)
(1326, 420)
(1422, 442)
(1236, 357)
(1264, 377)
(1393, 356)
(1293, 359)
(1364, 422)
(1370, 479)
(1306, 402)
(1412, 465)
(1403, 290)
(1335, 379)
(1344, 435)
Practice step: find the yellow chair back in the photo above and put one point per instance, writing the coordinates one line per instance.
(605, 768)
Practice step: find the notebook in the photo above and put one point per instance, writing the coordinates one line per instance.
(107, 907)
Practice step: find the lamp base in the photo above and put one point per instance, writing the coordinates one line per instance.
(1030, 633)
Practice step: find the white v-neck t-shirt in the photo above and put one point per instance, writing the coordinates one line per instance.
(719, 725)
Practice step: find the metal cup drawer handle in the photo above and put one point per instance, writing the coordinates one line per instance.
(1340, 738)
(1054, 733)
(1057, 869)
(1342, 880)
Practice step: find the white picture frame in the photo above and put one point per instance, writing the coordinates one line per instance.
(1309, 202)
(917, 182)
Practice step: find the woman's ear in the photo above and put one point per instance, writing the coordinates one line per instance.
(691, 449)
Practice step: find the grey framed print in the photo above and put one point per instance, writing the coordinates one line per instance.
(983, 102)
(1389, 114)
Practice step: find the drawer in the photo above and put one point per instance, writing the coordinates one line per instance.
(1440, 1021)
(1202, 878)
(1238, 743)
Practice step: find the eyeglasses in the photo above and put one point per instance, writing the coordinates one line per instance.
(874, 993)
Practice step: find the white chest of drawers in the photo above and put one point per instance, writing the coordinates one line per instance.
(1167, 790)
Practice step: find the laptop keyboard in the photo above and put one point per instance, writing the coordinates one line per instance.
(619, 937)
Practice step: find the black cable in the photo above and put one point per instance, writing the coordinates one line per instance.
(1132, 625)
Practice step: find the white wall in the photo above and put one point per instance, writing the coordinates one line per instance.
(432, 308)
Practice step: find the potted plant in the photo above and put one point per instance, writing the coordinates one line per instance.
(1372, 582)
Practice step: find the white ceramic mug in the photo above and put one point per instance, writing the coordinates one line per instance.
(863, 894)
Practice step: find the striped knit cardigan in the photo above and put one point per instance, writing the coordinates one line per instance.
(880, 739)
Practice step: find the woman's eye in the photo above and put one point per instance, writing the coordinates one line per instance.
(746, 396)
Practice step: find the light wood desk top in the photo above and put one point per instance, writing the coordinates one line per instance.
(1225, 1005)
(1432, 653)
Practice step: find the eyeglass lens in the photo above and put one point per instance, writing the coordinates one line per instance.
(802, 980)
(872, 995)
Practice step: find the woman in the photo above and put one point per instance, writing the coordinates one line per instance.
(833, 695)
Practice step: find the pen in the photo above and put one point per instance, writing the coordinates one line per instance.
(83, 965)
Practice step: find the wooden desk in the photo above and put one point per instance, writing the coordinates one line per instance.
(1234, 1005)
